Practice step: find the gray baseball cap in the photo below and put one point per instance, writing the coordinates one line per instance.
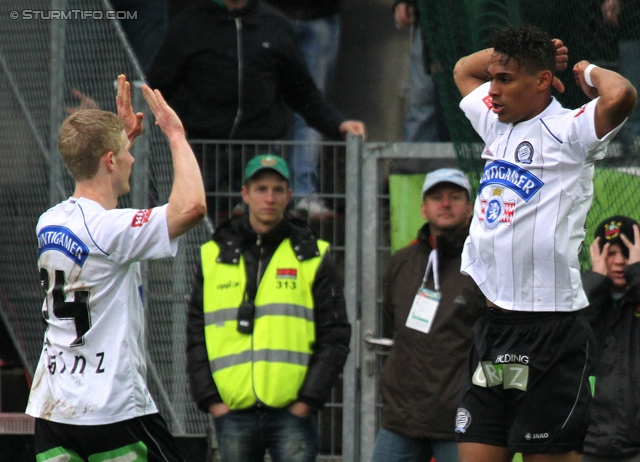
(446, 175)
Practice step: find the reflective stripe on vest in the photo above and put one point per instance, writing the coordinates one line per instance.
(269, 365)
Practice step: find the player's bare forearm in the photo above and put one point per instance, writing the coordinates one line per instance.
(187, 204)
(617, 96)
(471, 71)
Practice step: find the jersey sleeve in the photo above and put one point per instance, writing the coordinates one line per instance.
(583, 129)
(477, 107)
(128, 235)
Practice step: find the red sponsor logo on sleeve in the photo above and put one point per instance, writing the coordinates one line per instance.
(140, 218)
(581, 111)
(488, 101)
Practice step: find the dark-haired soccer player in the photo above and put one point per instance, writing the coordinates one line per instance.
(528, 388)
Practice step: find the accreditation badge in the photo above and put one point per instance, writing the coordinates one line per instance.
(423, 310)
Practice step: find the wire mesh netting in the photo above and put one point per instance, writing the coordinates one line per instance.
(592, 32)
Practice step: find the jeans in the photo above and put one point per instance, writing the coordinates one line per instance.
(244, 436)
(424, 120)
(319, 40)
(392, 447)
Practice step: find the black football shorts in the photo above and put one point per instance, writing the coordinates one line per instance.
(528, 386)
(145, 439)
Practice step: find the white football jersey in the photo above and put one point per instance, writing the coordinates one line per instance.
(92, 369)
(532, 204)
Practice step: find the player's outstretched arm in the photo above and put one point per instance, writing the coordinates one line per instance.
(471, 71)
(187, 205)
(617, 95)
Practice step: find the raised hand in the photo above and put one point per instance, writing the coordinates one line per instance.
(166, 118)
(634, 247)
(86, 102)
(599, 258)
(132, 121)
(562, 59)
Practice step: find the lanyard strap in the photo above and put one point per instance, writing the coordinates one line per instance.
(432, 264)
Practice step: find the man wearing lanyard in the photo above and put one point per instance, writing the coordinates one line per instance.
(429, 310)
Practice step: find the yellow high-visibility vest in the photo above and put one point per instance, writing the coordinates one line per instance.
(269, 365)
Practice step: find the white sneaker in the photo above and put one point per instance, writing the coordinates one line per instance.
(314, 208)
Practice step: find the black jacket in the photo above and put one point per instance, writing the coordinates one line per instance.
(199, 63)
(333, 331)
(423, 376)
(615, 408)
(308, 9)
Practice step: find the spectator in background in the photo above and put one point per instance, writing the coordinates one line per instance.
(267, 328)
(424, 120)
(613, 289)
(624, 15)
(422, 378)
(147, 29)
(229, 92)
(316, 24)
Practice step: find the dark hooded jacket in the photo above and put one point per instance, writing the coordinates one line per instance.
(229, 74)
(333, 331)
(614, 430)
(423, 375)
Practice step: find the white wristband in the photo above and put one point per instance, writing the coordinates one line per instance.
(587, 74)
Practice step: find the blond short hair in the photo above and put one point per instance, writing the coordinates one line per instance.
(85, 136)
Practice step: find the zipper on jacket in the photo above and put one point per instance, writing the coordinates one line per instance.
(258, 277)
(236, 122)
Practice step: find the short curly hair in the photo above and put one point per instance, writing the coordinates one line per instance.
(85, 136)
(528, 45)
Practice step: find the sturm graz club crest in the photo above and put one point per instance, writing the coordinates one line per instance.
(524, 153)
(494, 208)
(463, 420)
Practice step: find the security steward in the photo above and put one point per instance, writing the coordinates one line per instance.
(267, 332)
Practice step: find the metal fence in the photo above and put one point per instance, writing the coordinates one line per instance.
(371, 251)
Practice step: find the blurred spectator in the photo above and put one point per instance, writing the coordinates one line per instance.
(422, 378)
(624, 15)
(147, 30)
(613, 289)
(316, 24)
(424, 120)
(234, 65)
